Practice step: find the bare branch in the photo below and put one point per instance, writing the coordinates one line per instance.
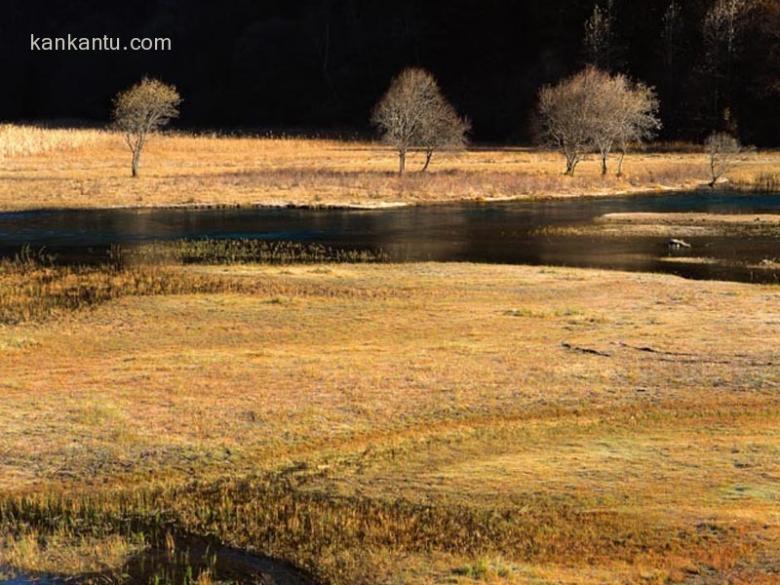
(144, 108)
(596, 111)
(721, 149)
(414, 114)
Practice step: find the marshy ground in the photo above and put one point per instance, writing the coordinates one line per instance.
(382, 423)
(378, 423)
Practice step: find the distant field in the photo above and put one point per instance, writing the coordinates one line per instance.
(87, 168)
(423, 423)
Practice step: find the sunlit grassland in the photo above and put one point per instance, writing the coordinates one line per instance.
(32, 288)
(420, 423)
(92, 170)
(61, 552)
(22, 141)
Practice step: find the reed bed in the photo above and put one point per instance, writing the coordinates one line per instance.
(243, 251)
(21, 141)
(46, 293)
(65, 552)
(34, 288)
(762, 183)
(39, 293)
(343, 540)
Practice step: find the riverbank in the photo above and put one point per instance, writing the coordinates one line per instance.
(418, 423)
(90, 169)
(675, 225)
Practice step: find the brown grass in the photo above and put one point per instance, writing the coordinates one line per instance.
(37, 293)
(91, 169)
(422, 423)
(23, 141)
(60, 553)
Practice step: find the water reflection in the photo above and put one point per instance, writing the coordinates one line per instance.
(496, 233)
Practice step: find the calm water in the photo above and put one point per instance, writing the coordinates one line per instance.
(496, 233)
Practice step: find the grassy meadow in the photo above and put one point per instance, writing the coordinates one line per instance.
(382, 423)
(377, 423)
(91, 168)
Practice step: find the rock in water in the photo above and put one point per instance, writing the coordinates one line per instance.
(676, 244)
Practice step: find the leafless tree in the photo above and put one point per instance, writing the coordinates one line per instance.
(671, 34)
(414, 114)
(636, 119)
(724, 23)
(625, 113)
(569, 113)
(141, 110)
(446, 130)
(599, 36)
(641, 123)
(724, 27)
(594, 110)
(721, 149)
(610, 96)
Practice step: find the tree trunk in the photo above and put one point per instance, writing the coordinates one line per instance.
(620, 163)
(604, 156)
(136, 143)
(571, 164)
(713, 172)
(136, 162)
(428, 157)
(401, 162)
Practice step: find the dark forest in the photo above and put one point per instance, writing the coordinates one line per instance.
(320, 65)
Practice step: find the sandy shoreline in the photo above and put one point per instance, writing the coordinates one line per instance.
(674, 225)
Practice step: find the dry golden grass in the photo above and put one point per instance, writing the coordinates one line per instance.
(37, 294)
(23, 141)
(211, 170)
(423, 423)
(59, 553)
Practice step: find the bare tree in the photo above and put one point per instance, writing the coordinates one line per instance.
(673, 50)
(672, 34)
(144, 108)
(594, 110)
(723, 30)
(599, 36)
(636, 120)
(414, 114)
(625, 113)
(724, 24)
(569, 112)
(446, 130)
(610, 97)
(721, 149)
